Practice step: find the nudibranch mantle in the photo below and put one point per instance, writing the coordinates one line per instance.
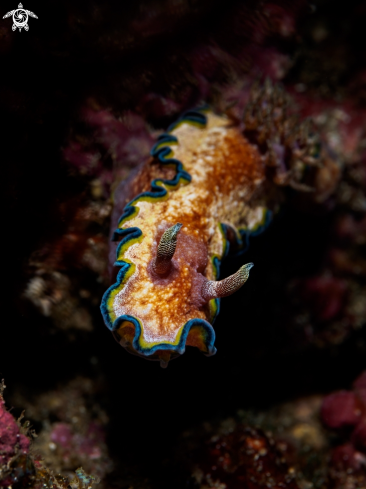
(216, 193)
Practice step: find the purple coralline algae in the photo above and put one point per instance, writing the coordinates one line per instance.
(110, 147)
(345, 413)
(244, 458)
(21, 466)
(15, 463)
(76, 436)
(286, 446)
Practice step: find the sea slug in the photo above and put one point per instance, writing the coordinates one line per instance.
(204, 191)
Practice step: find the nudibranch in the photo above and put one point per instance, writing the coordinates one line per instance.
(201, 193)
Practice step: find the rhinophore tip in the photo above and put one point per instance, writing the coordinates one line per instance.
(222, 288)
(166, 250)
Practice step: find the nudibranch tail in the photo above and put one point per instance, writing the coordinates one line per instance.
(212, 289)
(164, 358)
(166, 250)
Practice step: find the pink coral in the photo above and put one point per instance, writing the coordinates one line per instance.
(14, 446)
(244, 457)
(85, 445)
(340, 409)
(11, 440)
(347, 408)
(126, 140)
(325, 296)
(345, 411)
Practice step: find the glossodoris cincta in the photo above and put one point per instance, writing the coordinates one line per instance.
(201, 193)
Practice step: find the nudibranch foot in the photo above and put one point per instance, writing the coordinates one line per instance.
(164, 357)
(217, 289)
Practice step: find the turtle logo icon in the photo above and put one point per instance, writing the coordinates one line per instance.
(20, 17)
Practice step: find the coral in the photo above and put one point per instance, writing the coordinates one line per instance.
(330, 302)
(82, 480)
(125, 142)
(292, 150)
(286, 446)
(21, 465)
(15, 463)
(345, 412)
(56, 284)
(72, 434)
(245, 457)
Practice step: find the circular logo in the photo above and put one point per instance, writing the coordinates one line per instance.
(20, 17)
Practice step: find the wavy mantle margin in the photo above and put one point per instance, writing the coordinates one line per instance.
(162, 151)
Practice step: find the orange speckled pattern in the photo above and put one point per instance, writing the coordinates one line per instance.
(227, 172)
